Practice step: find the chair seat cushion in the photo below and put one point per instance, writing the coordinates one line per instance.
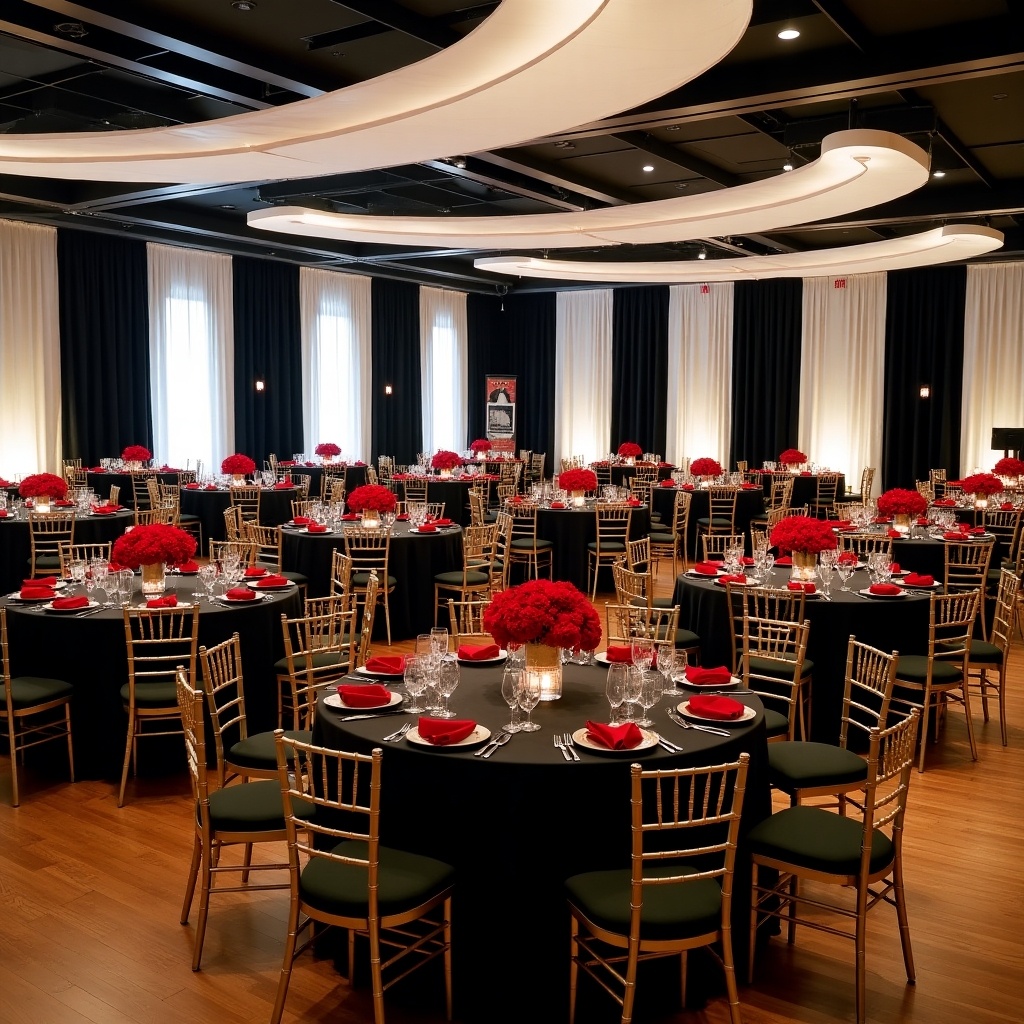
(775, 723)
(657, 602)
(456, 579)
(608, 547)
(798, 765)
(820, 840)
(297, 578)
(663, 538)
(47, 561)
(717, 521)
(321, 659)
(260, 750)
(248, 807)
(781, 668)
(28, 691)
(984, 653)
(187, 517)
(153, 695)
(686, 638)
(669, 911)
(405, 880)
(914, 668)
(527, 544)
(360, 579)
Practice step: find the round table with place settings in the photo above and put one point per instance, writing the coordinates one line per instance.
(210, 503)
(749, 505)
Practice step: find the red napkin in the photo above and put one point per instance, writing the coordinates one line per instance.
(807, 588)
(922, 520)
(96, 469)
(371, 695)
(842, 524)
(687, 487)
(884, 589)
(615, 737)
(784, 560)
(806, 472)
(478, 652)
(894, 567)
(241, 594)
(517, 500)
(634, 502)
(398, 519)
(170, 601)
(444, 731)
(724, 708)
(442, 522)
(707, 568)
(893, 534)
(916, 579)
(746, 560)
(619, 654)
(71, 602)
(4, 513)
(301, 520)
(37, 593)
(42, 581)
(882, 519)
(977, 529)
(255, 571)
(272, 582)
(316, 528)
(386, 665)
(750, 487)
(735, 577)
(558, 504)
(105, 510)
(666, 483)
(211, 487)
(115, 566)
(308, 463)
(283, 485)
(944, 503)
(286, 462)
(952, 535)
(359, 462)
(351, 517)
(1007, 506)
(708, 676)
(428, 528)
(848, 558)
(189, 566)
(192, 486)
(63, 503)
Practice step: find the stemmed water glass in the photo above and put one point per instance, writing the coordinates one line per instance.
(447, 681)
(845, 570)
(207, 577)
(415, 682)
(439, 640)
(649, 695)
(667, 667)
(615, 690)
(77, 569)
(641, 649)
(825, 569)
(635, 676)
(510, 694)
(100, 578)
(529, 698)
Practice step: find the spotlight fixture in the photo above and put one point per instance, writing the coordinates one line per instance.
(388, 390)
(71, 29)
(565, 144)
(647, 168)
(924, 391)
(788, 165)
(244, 5)
(938, 174)
(261, 385)
(789, 33)
(703, 254)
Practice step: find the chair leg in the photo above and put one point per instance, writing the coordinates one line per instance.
(246, 861)
(629, 996)
(286, 966)
(925, 711)
(1002, 703)
(729, 967)
(683, 961)
(448, 958)
(860, 941)
(71, 748)
(965, 690)
(376, 981)
(14, 762)
(193, 874)
(206, 879)
(128, 748)
(904, 922)
(574, 970)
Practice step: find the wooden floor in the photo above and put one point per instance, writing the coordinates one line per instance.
(90, 897)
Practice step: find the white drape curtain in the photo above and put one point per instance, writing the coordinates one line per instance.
(337, 388)
(191, 346)
(993, 361)
(842, 366)
(30, 396)
(583, 374)
(698, 416)
(444, 369)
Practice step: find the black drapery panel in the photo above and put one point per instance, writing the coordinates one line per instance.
(104, 344)
(765, 369)
(398, 417)
(924, 345)
(268, 348)
(519, 341)
(639, 366)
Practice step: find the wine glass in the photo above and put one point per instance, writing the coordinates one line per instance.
(528, 695)
(439, 640)
(447, 681)
(667, 667)
(845, 570)
(101, 580)
(641, 648)
(649, 695)
(77, 569)
(125, 585)
(510, 694)
(615, 690)
(207, 577)
(825, 570)
(415, 683)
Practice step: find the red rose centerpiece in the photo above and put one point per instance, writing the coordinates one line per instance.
(327, 450)
(43, 488)
(630, 451)
(480, 447)
(1011, 470)
(792, 459)
(578, 482)
(135, 455)
(706, 468)
(804, 537)
(153, 548)
(901, 504)
(446, 461)
(239, 466)
(545, 616)
(982, 486)
(372, 500)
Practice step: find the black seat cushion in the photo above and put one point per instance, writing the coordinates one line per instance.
(984, 653)
(360, 579)
(794, 764)
(914, 669)
(153, 695)
(321, 659)
(457, 578)
(30, 691)
(260, 749)
(249, 807)
(781, 668)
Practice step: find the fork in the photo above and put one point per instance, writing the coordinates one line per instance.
(561, 746)
(570, 745)
(397, 734)
(684, 724)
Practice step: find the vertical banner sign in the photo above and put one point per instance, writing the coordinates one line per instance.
(501, 413)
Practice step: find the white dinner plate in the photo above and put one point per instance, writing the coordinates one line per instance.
(316, 533)
(918, 586)
(683, 681)
(239, 600)
(16, 596)
(747, 582)
(333, 700)
(362, 671)
(748, 714)
(582, 738)
(881, 597)
(480, 734)
(484, 661)
(48, 607)
(602, 659)
(704, 575)
(255, 585)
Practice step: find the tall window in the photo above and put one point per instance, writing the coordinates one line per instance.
(443, 366)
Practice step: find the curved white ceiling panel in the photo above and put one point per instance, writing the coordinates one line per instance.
(940, 245)
(532, 68)
(856, 169)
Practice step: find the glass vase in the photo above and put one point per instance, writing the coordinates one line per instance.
(546, 664)
(154, 579)
(804, 563)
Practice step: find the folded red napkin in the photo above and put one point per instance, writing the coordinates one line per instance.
(283, 485)
(428, 528)
(189, 566)
(882, 519)
(386, 664)
(105, 510)
(806, 472)
(615, 737)
(750, 487)
(29, 503)
(952, 535)
(978, 529)
(41, 581)
(359, 462)
(848, 558)
(301, 520)
(211, 487)
(746, 560)
(619, 654)
(893, 534)
(442, 522)
(370, 695)
(96, 469)
(894, 567)
(944, 503)
(61, 603)
(286, 462)
(241, 594)
(917, 579)
(558, 504)
(272, 582)
(37, 593)
(724, 708)
(316, 528)
(634, 502)
(784, 560)
(797, 585)
(707, 568)
(517, 500)
(170, 601)
(884, 589)
(666, 483)
(398, 519)
(63, 503)
(478, 652)
(842, 524)
(734, 577)
(255, 571)
(4, 513)
(708, 676)
(192, 486)
(308, 463)
(921, 521)
(351, 517)
(687, 487)
(444, 731)
(1007, 506)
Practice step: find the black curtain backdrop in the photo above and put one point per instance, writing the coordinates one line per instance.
(519, 341)
(639, 367)
(104, 345)
(268, 347)
(765, 369)
(924, 345)
(398, 417)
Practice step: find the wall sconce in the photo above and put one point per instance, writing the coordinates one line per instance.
(261, 385)
(924, 391)
(387, 389)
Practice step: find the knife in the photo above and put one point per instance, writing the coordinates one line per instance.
(501, 741)
(379, 714)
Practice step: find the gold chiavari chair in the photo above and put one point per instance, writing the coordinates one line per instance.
(925, 489)
(334, 476)
(603, 472)
(824, 502)
(758, 538)
(1006, 525)
(537, 466)
(397, 900)
(690, 885)
(233, 526)
(369, 548)
(157, 514)
(773, 665)
(613, 524)
(632, 587)
(525, 547)
(114, 497)
(245, 549)
(721, 517)
(867, 480)
(302, 483)
(477, 507)
(466, 622)
(671, 543)
(768, 603)
(937, 478)
(623, 622)
(415, 488)
(153, 491)
(170, 494)
(47, 531)
(992, 655)
(714, 545)
(435, 509)
(341, 577)
(966, 570)
(848, 509)
(502, 555)
(815, 845)
(638, 554)
(509, 473)
(473, 580)
(247, 500)
(81, 552)
(572, 462)
(776, 515)
(863, 545)
(268, 541)
(35, 710)
(140, 489)
(303, 506)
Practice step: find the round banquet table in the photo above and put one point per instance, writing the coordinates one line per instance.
(453, 492)
(355, 475)
(570, 530)
(414, 559)
(621, 474)
(89, 652)
(16, 545)
(805, 487)
(209, 506)
(517, 824)
(893, 624)
(749, 505)
(101, 482)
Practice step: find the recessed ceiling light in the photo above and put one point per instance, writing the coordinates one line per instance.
(1000, 95)
(938, 174)
(647, 168)
(703, 254)
(788, 165)
(789, 33)
(244, 5)
(565, 144)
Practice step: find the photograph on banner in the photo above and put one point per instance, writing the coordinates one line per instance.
(501, 413)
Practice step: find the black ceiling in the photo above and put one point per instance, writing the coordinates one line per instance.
(947, 74)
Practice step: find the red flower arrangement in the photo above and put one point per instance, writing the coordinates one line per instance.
(150, 545)
(445, 460)
(328, 448)
(792, 456)
(480, 445)
(543, 612)
(43, 485)
(705, 467)
(1009, 467)
(136, 453)
(578, 480)
(803, 533)
(630, 450)
(371, 496)
(238, 465)
(981, 483)
(902, 502)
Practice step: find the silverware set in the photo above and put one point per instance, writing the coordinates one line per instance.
(498, 740)
(398, 734)
(684, 724)
(567, 746)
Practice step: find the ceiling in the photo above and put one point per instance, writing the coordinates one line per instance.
(947, 75)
